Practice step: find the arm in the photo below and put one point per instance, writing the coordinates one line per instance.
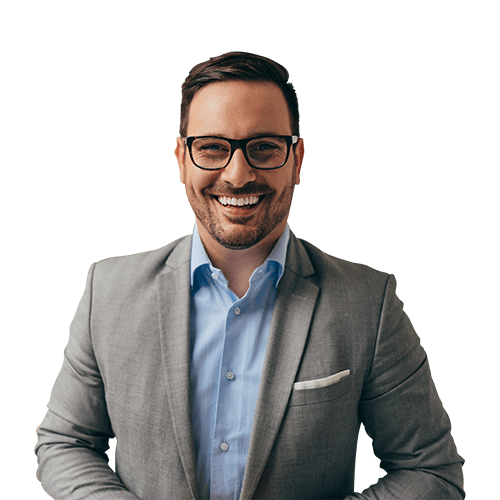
(403, 414)
(74, 436)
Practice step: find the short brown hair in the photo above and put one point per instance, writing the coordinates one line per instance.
(238, 66)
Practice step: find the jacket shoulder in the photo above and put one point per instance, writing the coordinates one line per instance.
(330, 269)
(144, 266)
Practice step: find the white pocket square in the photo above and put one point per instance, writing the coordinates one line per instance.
(321, 382)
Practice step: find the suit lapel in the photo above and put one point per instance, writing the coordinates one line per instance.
(174, 298)
(292, 314)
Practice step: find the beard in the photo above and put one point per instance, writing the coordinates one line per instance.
(238, 232)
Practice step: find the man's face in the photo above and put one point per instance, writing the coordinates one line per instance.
(239, 110)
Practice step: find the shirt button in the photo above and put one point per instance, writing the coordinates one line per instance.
(224, 446)
(214, 276)
(237, 311)
(230, 375)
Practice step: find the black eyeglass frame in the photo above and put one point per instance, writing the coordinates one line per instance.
(291, 140)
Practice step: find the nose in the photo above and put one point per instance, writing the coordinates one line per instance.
(238, 172)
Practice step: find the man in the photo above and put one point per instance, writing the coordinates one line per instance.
(241, 361)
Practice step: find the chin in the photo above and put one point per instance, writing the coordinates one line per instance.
(236, 240)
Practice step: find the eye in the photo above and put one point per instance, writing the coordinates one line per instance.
(210, 145)
(213, 147)
(263, 146)
(266, 146)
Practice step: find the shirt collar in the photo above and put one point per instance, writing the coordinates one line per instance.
(200, 258)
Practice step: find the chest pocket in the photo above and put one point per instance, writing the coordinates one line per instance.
(303, 397)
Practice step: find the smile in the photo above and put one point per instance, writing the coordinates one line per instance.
(238, 202)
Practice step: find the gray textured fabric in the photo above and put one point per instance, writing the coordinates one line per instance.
(126, 374)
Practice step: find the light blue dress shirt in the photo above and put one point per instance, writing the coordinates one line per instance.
(228, 338)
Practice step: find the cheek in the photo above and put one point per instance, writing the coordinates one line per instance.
(197, 181)
(287, 181)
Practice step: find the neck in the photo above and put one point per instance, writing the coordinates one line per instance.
(238, 265)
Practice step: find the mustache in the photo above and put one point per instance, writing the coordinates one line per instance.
(250, 189)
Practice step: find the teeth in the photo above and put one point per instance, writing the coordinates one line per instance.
(238, 202)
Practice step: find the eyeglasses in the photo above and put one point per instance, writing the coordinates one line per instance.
(265, 153)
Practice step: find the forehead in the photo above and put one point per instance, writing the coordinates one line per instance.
(238, 109)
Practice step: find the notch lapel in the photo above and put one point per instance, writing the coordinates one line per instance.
(292, 314)
(174, 296)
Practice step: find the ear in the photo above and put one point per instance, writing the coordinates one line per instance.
(180, 154)
(299, 157)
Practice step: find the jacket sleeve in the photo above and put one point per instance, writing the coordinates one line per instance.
(403, 415)
(74, 436)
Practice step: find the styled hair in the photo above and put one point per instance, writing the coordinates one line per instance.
(241, 66)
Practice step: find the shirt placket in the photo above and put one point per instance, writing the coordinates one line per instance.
(225, 466)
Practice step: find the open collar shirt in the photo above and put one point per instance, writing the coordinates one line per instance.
(228, 338)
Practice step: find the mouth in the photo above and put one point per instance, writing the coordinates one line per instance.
(243, 201)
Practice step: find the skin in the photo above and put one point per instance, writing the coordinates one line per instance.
(239, 239)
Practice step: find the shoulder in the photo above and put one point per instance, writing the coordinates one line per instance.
(141, 267)
(327, 270)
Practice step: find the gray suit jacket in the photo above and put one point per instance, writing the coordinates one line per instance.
(126, 374)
